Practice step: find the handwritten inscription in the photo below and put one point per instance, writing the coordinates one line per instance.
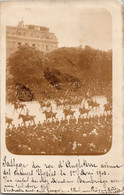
(72, 177)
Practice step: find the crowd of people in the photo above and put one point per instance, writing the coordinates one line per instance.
(91, 135)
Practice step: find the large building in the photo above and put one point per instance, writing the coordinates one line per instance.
(36, 36)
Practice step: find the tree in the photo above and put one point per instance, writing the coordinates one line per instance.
(25, 68)
(51, 75)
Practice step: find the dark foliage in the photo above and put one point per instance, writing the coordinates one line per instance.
(52, 74)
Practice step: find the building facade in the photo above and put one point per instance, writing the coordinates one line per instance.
(36, 36)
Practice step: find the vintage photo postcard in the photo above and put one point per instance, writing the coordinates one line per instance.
(61, 97)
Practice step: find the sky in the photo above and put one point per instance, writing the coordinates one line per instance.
(73, 26)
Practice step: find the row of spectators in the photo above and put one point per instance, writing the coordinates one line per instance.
(88, 136)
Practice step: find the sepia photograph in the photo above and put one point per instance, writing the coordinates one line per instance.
(58, 80)
(61, 97)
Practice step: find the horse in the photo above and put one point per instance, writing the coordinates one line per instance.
(9, 121)
(47, 114)
(84, 111)
(53, 114)
(68, 112)
(26, 118)
(92, 103)
(42, 106)
(16, 106)
(22, 106)
(107, 107)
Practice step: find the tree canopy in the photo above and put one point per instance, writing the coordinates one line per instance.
(26, 66)
(64, 69)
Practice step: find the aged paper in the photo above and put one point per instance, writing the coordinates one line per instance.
(61, 97)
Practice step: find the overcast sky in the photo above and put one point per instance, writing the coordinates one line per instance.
(73, 26)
